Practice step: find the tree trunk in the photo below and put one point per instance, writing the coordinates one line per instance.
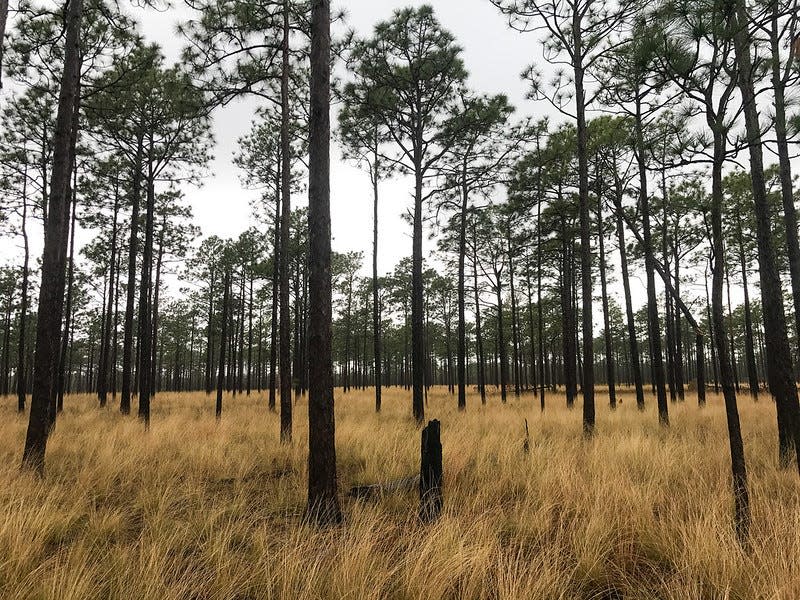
(652, 306)
(752, 372)
(58, 399)
(223, 342)
(51, 290)
(633, 343)
(739, 471)
(779, 367)
(586, 240)
(323, 501)
(273, 343)
(284, 350)
(145, 310)
(105, 351)
(23, 303)
(785, 163)
(376, 308)
(133, 249)
(612, 392)
(478, 332)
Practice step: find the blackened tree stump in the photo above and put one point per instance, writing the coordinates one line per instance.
(430, 474)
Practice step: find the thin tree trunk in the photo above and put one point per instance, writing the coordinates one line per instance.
(105, 351)
(23, 303)
(284, 349)
(133, 249)
(223, 342)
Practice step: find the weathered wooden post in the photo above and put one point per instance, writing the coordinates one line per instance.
(430, 473)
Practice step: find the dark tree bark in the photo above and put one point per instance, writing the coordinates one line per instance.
(284, 341)
(739, 471)
(612, 391)
(633, 343)
(210, 335)
(417, 302)
(323, 501)
(750, 356)
(501, 343)
(133, 250)
(155, 367)
(57, 401)
(586, 240)
(784, 161)
(250, 336)
(540, 321)
(652, 305)
(779, 366)
(376, 308)
(223, 341)
(478, 332)
(105, 351)
(514, 324)
(51, 290)
(145, 309)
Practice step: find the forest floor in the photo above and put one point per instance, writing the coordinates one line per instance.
(193, 509)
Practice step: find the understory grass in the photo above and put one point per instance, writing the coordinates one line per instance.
(195, 509)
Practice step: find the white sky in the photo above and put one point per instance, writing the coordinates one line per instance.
(494, 56)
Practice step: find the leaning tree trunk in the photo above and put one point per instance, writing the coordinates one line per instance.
(779, 367)
(739, 471)
(51, 290)
(323, 502)
(652, 302)
(633, 343)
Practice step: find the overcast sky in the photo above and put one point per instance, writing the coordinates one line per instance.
(494, 56)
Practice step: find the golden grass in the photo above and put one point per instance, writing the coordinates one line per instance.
(200, 510)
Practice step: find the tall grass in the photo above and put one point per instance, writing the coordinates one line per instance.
(199, 510)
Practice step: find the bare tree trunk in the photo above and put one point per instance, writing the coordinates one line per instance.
(779, 367)
(376, 308)
(323, 501)
(284, 350)
(133, 249)
(105, 351)
(51, 290)
(739, 471)
(23, 303)
(145, 311)
(633, 343)
(223, 342)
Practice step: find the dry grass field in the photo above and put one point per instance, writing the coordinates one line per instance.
(199, 510)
